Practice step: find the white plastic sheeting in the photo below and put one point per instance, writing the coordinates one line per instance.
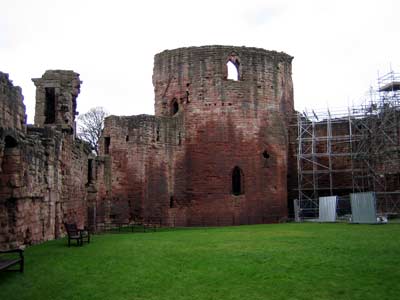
(327, 209)
(363, 207)
(296, 207)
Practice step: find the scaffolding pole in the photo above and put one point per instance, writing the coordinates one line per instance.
(357, 150)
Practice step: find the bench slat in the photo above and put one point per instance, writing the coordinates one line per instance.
(8, 262)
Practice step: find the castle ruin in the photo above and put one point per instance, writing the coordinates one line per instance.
(221, 149)
(43, 166)
(216, 151)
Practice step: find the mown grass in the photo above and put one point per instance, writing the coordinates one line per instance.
(283, 261)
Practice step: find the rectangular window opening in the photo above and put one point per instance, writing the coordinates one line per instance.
(158, 134)
(107, 142)
(50, 105)
(90, 167)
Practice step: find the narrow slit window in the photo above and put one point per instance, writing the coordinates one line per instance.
(50, 105)
(237, 181)
(107, 142)
(175, 107)
(90, 167)
(233, 70)
(187, 93)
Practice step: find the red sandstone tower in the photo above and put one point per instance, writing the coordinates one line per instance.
(215, 153)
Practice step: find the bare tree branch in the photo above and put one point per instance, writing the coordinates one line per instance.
(90, 126)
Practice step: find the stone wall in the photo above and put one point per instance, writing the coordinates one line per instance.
(43, 179)
(56, 93)
(135, 173)
(222, 125)
(12, 108)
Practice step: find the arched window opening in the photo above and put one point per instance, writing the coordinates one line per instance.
(233, 70)
(175, 106)
(171, 202)
(237, 181)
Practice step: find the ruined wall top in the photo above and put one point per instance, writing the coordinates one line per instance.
(12, 108)
(56, 93)
(201, 75)
(121, 132)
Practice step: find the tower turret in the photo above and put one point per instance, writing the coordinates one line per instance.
(56, 93)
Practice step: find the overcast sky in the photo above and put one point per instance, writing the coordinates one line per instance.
(338, 46)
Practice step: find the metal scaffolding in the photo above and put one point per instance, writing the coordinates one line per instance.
(354, 150)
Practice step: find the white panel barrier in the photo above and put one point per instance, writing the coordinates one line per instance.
(327, 209)
(363, 208)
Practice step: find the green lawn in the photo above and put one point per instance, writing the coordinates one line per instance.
(282, 261)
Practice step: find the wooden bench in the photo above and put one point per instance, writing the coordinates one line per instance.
(6, 261)
(80, 235)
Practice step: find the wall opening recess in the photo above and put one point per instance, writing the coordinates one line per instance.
(50, 105)
(237, 181)
(233, 70)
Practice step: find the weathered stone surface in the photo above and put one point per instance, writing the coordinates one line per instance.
(56, 93)
(215, 153)
(12, 108)
(177, 167)
(43, 171)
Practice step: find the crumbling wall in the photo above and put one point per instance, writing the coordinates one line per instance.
(42, 178)
(224, 125)
(56, 93)
(135, 175)
(12, 108)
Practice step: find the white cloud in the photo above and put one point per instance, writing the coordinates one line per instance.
(338, 45)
